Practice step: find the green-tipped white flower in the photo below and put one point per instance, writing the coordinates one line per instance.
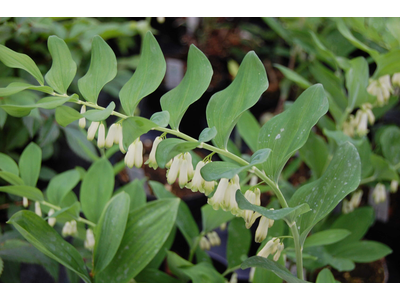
(134, 156)
(379, 193)
(70, 228)
(101, 137)
(262, 229)
(270, 248)
(216, 200)
(182, 169)
(381, 88)
(50, 220)
(234, 278)
(152, 162)
(38, 210)
(349, 206)
(396, 79)
(25, 202)
(254, 198)
(89, 242)
(198, 183)
(222, 227)
(279, 250)
(111, 135)
(82, 121)
(229, 203)
(214, 238)
(92, 130)
(204, 243)
(363, 117)
(394, 184)
(119, 139)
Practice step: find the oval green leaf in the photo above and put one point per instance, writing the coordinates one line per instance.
(61, 185)
(29, 164)
(326, 237)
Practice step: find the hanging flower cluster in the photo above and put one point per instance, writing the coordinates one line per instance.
(70, 228)
(181, 168)
(225, 196)
(198, 183)
(273, 246)
(379, 193)
(349, 206)
(89, 242)
(381, 88)
(358, 125)
(253, 197)
(134, 156)
(211, 240)
(262, 229)
(152, 162)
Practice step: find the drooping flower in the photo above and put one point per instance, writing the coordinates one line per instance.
(381, 88)
(273, 246)
(216, 200)
(379, 193)
(92, 130)
(396, 79)
(89, 242)
(152, 162)
(394, 184)
(225, 196)
(38, 210)
(101, 137)
(349, 206)
(181, 168)
(82, 121)
(198, 183)
(214, 238)
(204, 243)
(70, 228)
(234, 278)
(25, 202)
(111, 135)
(134, 156)
(254, 198)
(262, 229)
(50, 220)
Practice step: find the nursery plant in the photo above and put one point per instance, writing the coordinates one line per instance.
(119, 236)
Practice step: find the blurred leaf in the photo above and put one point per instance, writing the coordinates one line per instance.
(23, 191)
(363, 251)
(79, 144)
(190, 89)
(325, 276)
(390, 141)
(134, 127)
(16, 87)
(293, 76)
(225, 107)
(8, 164)
(96, 115)
(61, 185)
(160, 118)
(186, 224)
(212, 219)
(29, 164)
(326, 237)
(136, 193)
(239, 241)
(11, 178)
(315, 154)
(249, 129)
(66, 115)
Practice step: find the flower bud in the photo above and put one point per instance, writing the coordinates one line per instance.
(279, 250)
(82, 121)
(119, 139)
(138, 153)
(38, 210)
(130, 156)
(89, 242)
(25, 202)
(112, 132)
(216, 200)
(396, 79)
(174, 170)
(262, 229)
(379, 193)
(50, 220)
(394, 184)
(101, 136)
(92, 130)
(152, 162)
(70, 228)
(270, 248)
(204, 243)
(214, 238)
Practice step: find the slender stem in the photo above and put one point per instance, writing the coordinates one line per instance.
(298, 249)
(195, 245)
(230, 270)
(367, 180)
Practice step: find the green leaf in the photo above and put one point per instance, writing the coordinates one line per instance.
(315, 154)
(357, 77)
(276, 214)
(79, 144)
(293, 76)
(212, 219)
(388, 63)
(146, 231)
(363, 251)
(161, 118)
(1, 266)
(23, 191)
(382, 170)
(110, 230)
(239, 241)
(390, 142)
(225, 107)
(11, 178)
(16, 87)
(48, 241)
(203, 273)
(207, 134)
(191, 88)
(16, 110)
(357, 222)
(249, 129)
(13, 59)
(96, 115)
(325, 276)
(222, 169)
(96, 189)
(147, 77)
(262, 262)
(66, 115)
(169, 148)
(8, 164)
(103, 69)
(186, 224)
(149, 275)
(287, 132)
(61, 185)
(341, 177)
(162, 253)
(136, 192)
(266, 276)
(63, 68)
(159, 190)
(326, 237)
(134, 127)
(29, 164)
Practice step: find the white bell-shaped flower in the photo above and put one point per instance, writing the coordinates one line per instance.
(214, 238)
(89, 242)
(279, 250)
(204, 243)
(70, 228)
(394, 184)
(119, 139)
(38, 210)
(92, 130)
(101, 137)
(50, 220)
(216, 200)
(229, 203)
(270, 248)
(111, 134)
(254, 198)
(381, 88)
(134, 156)
(181, 168)
(379, 193)
(396, 79)
(197, 183)
(25, 202)
(82, 121)
(152, 162)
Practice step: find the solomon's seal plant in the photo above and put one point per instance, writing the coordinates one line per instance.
(127, 238)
